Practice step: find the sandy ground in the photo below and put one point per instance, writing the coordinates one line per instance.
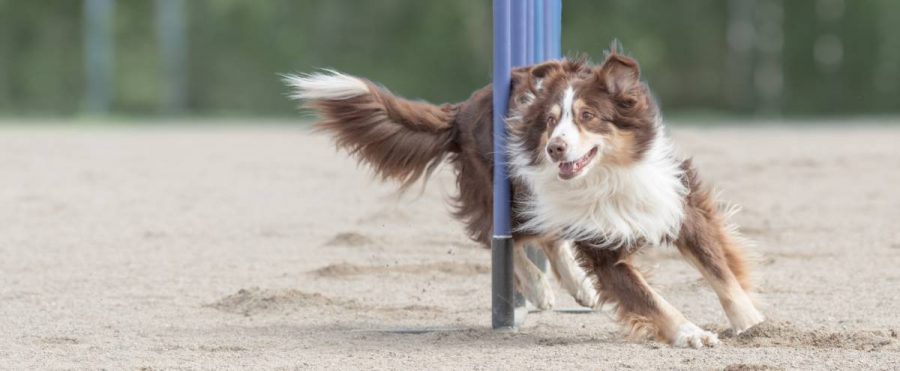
(241, 247)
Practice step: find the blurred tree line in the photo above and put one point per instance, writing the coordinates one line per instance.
(223, 56)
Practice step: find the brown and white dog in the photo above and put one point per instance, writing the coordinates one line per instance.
(592, 169)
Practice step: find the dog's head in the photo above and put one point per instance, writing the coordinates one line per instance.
(528, 82)
(579, 119)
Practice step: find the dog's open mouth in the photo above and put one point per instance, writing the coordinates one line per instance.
(571, 169)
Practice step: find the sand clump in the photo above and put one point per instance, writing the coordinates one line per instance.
(350, 239)
(750, 367)
(254, 300)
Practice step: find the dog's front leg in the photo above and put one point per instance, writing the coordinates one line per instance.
(571, 276)
(532, 283)
(637, 305)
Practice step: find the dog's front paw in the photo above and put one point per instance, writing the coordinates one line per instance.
(587, 294)
(545, 296)
(540, 294)
(689, 335)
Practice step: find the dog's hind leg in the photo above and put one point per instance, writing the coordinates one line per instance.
(712, 250)
(636, 304)
(570, 274)
(532, 283)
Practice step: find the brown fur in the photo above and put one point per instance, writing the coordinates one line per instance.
(400, 139)
(622, 286)
(474, 166)
(628, 104)
(705, 238)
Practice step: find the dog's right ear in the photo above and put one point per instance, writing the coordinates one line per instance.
(556, 68)
(545, 69)
(526, 78)
(520, 77)
(522, 89)
(521, 80)
(527, 82)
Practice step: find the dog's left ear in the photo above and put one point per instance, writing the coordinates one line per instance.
(619, 74)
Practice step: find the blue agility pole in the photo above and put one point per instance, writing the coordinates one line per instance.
(538, 55)
(525, 32)
(502, 287)
(552, 29)
(519, 33)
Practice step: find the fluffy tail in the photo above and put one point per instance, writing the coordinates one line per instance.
(402, 140)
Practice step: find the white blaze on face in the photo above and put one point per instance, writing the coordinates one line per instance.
(566, 129)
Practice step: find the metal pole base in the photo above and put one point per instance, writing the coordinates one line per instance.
(503, 294)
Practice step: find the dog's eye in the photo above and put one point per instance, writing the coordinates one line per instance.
(586, 116)
(551, 120)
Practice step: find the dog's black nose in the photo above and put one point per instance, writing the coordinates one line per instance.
(556, 149)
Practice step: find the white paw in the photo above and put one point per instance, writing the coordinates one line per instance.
(546, 296)
(539, 293)
(743, 315)
(746, 320)
(587, 294)
(689, 335)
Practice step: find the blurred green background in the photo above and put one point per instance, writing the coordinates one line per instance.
(223, 57)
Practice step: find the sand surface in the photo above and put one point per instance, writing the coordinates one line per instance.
(248, 248)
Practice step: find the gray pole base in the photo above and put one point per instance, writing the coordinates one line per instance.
(503, 294)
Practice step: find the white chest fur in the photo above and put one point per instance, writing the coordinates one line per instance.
(621, 205)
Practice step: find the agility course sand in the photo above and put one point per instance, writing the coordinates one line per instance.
(248, 247)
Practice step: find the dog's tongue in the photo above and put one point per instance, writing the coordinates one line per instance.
(568, 169)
